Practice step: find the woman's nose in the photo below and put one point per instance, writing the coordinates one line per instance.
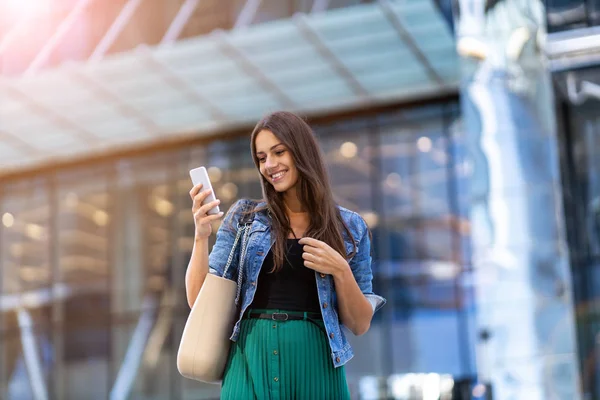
(270, 163)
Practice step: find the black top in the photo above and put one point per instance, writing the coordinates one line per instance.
(293, 288)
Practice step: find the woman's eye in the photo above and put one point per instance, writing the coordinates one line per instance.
(261, 160)
(279, 152)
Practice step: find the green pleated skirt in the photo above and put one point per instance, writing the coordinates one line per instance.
(282, 360)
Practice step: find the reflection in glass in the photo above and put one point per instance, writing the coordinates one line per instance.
(83, 204)
(120, 236)
(25, 296)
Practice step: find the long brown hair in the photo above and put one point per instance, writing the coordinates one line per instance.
(314, 189)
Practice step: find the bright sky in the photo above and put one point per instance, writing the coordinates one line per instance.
(25, 8)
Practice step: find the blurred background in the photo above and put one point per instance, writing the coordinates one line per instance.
(465, 132)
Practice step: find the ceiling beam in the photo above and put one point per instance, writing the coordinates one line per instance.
(61, 31)
(181, 84)
(230, 50)
(18, 144)
(409, 41)
(319, 6)
(115, 29)
(247, 14)
(183, 15)
(40, 109)
(126, 109)
(336, 64)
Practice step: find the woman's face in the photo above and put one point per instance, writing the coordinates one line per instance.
(275, 161)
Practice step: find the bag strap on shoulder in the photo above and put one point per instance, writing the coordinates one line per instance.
(247, 217)
(243, 232)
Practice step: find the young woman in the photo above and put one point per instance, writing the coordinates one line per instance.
(307, 272)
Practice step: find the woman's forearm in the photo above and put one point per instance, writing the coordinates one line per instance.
(355, 310)
(197, 270)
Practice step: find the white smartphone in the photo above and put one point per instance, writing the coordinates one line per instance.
(200, 175)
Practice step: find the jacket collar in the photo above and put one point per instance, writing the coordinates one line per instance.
(262, 216)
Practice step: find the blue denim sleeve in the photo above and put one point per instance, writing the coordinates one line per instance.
(361, 266)
(217, 259)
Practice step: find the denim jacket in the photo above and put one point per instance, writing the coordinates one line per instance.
(259, 245)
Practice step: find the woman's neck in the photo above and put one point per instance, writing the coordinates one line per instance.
(296, 210)
(292, 203)
(299, 221)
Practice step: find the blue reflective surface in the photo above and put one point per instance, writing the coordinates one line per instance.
(523, 294)
(564, 15)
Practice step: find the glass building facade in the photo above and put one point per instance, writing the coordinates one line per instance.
(94, 257)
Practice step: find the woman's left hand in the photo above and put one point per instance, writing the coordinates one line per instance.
(320, 257)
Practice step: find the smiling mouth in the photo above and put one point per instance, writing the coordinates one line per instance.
(278, 176)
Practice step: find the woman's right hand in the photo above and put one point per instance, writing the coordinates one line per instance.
(201, 219)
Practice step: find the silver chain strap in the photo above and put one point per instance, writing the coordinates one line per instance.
(242, 262)
(245, 230)
(232, 252)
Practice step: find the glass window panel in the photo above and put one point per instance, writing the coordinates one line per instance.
(274, 36)
(84, 218)
(249, 107)
(26, 350)
(26, 277)
(402, 81)
(316, 72)
(590, 172)
(25, 260)
(566, 14)
(179, 116)
(395, 243)
(272, 63)
(369, 59)
(145, 213)
(439, 241)
(375, 43)
(320, 91)
(351, 171)
(580, 169)
(412, 177)
(152, 375)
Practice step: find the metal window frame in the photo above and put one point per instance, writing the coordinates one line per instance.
(42, 56)
(313, 37)
(183, 15)
(39, 109)
(247, 14)
(181, 84)
(126, 109)
(115, 29)
(232, 51)
(409, 41)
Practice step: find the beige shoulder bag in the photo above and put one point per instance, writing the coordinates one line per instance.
(204, 347)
